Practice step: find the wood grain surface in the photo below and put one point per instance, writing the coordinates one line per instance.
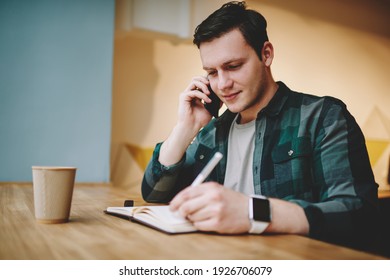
(91, 234)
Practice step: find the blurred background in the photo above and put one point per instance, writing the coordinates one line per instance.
(94, 83)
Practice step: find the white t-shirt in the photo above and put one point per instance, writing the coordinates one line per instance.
(239, 173)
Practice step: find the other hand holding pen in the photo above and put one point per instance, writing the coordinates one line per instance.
(211, 207)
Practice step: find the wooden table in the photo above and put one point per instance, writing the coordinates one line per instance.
(91, 234)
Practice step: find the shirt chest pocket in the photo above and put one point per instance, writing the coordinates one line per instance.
(202, 156)
(292, 167)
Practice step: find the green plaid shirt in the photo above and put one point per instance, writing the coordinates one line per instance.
(308, 150)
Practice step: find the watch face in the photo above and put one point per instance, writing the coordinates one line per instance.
(261, 210)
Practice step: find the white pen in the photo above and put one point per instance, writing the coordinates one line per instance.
(207, 169)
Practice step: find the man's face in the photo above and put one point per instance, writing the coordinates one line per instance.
(235, 72)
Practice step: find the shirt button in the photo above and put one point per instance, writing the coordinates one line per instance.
(201, 157)
(290, 153)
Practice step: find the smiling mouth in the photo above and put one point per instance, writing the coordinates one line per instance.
(230, 97)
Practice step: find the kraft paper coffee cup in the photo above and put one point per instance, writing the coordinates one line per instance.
(53, 191)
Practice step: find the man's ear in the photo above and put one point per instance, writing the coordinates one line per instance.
(267, 53)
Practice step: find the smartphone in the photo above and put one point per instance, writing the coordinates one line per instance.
(215, 104)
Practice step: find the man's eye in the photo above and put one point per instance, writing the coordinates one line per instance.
(212, 73)
(234, 66)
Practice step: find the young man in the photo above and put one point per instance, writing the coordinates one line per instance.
(303, 154)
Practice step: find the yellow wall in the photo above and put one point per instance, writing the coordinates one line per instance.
(314, 53)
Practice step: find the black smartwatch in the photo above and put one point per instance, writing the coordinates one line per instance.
(259, 213)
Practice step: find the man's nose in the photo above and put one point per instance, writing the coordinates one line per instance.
(224, 81)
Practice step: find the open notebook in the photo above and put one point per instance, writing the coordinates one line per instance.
(157, 217)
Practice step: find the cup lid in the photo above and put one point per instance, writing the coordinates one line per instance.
(53, 168)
